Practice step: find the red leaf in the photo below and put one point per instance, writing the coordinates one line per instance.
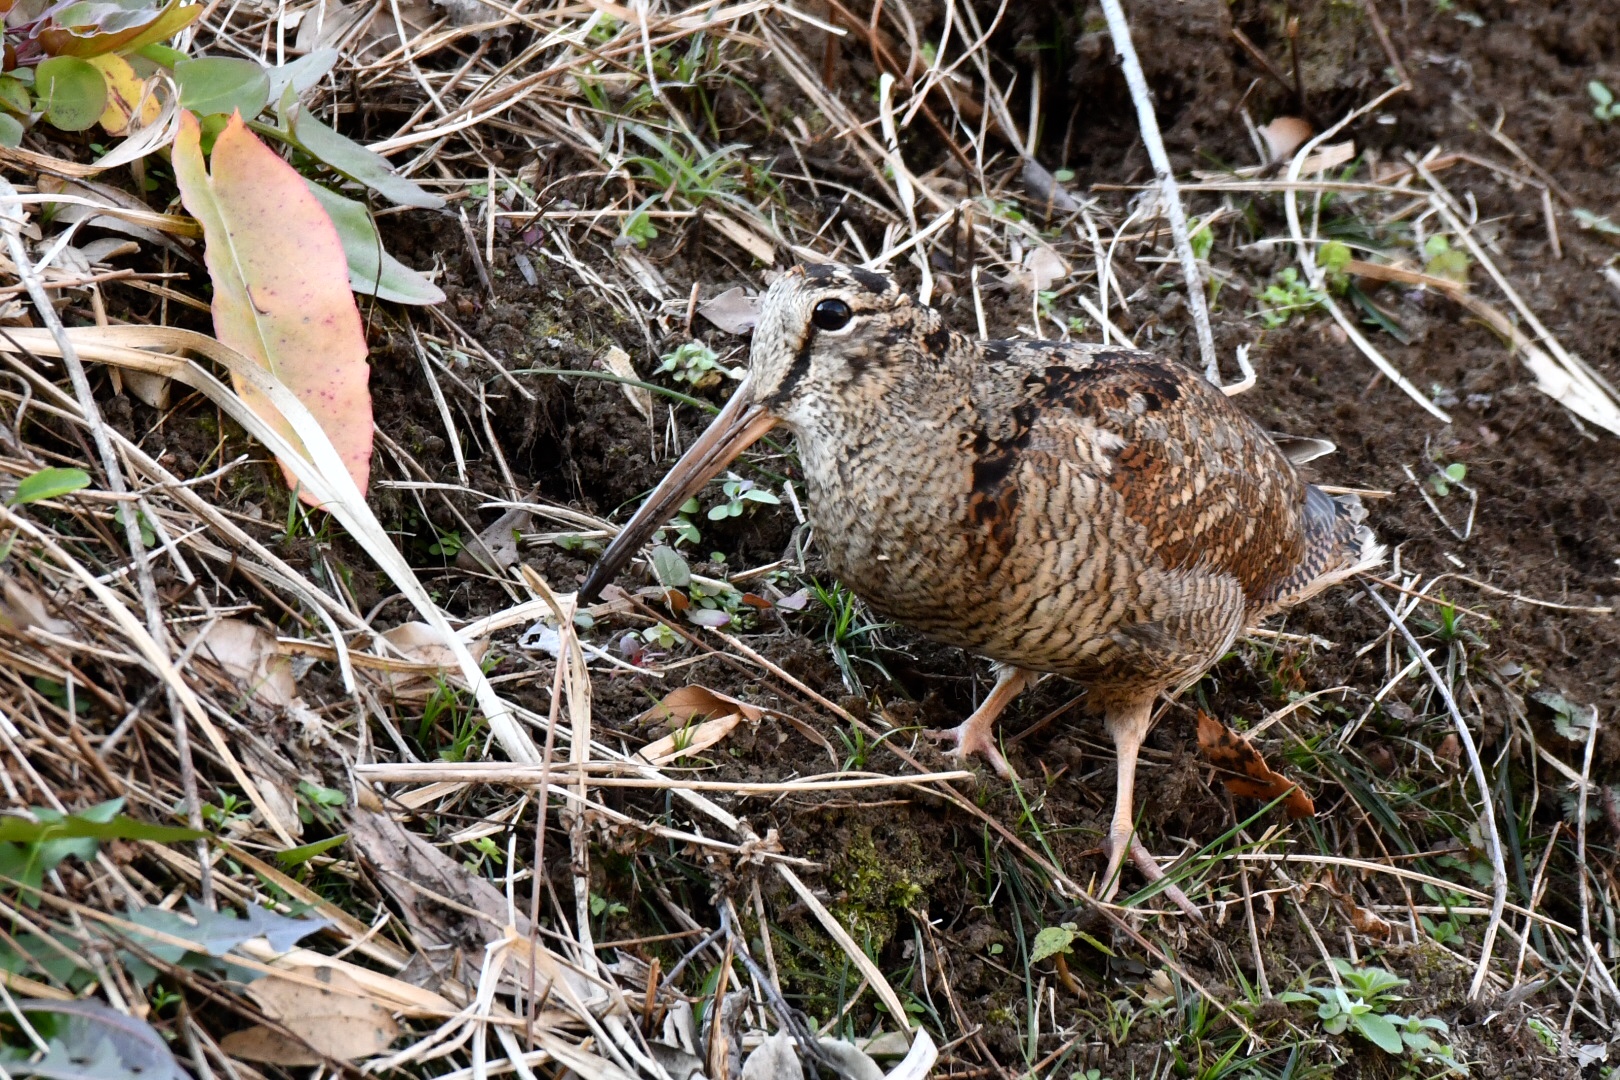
(281, 285)
(1244, 772)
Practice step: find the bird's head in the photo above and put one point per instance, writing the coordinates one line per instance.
(820, 329)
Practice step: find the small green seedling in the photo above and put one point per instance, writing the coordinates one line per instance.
(638, 229)
(1286, 297)
(695, 363)
(739, 493)
(1443, 479)
(1606, 108)
(1441, 260)
(448, 545)
(1363, 1001)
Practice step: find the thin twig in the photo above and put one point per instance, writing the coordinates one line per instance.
(1487, 816)
(1148, 122)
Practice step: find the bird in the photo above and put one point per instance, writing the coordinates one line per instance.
(1091, 511)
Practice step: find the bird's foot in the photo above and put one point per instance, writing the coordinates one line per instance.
(1149, 867)
(967, 739)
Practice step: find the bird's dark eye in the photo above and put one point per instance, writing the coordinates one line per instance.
(831, 315)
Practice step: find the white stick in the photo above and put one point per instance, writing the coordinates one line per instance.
(1148, 122)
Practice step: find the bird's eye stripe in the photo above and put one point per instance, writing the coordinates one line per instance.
(797, 371)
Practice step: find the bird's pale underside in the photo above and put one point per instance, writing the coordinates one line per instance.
(1089, 511)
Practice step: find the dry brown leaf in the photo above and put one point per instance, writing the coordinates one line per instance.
(250, 656)
(340, 1022)
(733, 311)
(21, 607)
(617, 361)
(1244, 771)
(689, 740)
(1368, 922)
(683, 706)
(420, 643)
(1284, 135)
(691, 702)
(495, 548)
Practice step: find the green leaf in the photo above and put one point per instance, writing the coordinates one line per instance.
(97, 27)
(71, 92)
(302, 73)
(92, 1041)
(299, 855)
(15, 97)
(1379, 1031)
(373, 271)
(161, 55)
(1456, 471)
(1600, 93)
(350, 158)
(49, 484)
(11, 131)
(1600, 222)
(670, 569)
(76, 826)
(1333, 257)
(223, 85)
(1051, 941)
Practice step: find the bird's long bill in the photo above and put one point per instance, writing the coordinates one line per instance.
(739, 426)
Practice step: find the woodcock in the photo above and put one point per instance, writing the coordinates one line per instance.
(1089, 511)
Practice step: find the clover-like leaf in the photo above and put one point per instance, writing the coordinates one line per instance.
(71, 92)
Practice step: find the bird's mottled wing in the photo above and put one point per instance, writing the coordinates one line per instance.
(1209, 489)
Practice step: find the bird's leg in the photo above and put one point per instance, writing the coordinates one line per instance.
(1129, 726)
(976, 734)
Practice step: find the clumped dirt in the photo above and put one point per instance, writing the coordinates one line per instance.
(1545, 525)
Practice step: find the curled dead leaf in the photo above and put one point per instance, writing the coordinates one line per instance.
(419, 643)
(1284, 135)
(617, 361)
(680, 708)
(1244, 772)
(21, 607)
(250, 656)
(341, 1022)
(733, 311)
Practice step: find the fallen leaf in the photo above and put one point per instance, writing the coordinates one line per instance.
(340, 1022)
(777, 1058)
(21, 607)
(127, 92)
(496, 548)
(689, 740)
(281, 285)
(1244, 772)
(1368, 922)
(1284, 135)
(250, 656)
(691, 702)
(617, 361)
(733, 311)
(680, 708)
(1043, 267)
(419, 643)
